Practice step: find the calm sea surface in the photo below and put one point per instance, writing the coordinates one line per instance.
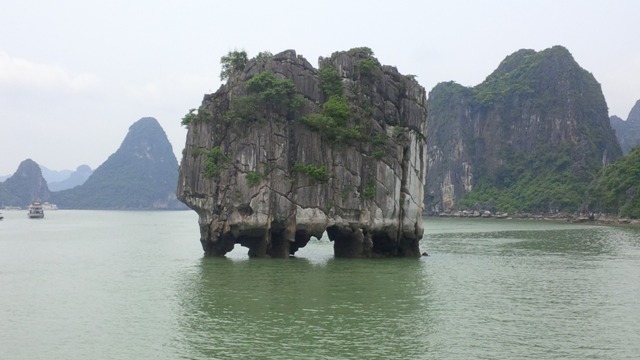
(134, 285)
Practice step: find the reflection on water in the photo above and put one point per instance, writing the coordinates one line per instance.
(290, 309)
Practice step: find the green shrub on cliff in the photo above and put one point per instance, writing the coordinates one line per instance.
(264, 56)
(266, 95)
(330, 81)
(274, 94)
(253, 178)
(337, 107)
(334, 123)
(362, 49)
(315, 172)
(216, 159)
(369, 192)
(367, 66)
(232, 62)
(192, 116)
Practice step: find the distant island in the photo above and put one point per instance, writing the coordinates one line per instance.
(533, 138)
(141, 175)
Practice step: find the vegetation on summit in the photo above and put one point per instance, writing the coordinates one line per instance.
(232, 62)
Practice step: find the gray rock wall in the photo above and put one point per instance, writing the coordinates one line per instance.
(370, 202)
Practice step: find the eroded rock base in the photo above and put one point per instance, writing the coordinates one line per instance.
(348, 242)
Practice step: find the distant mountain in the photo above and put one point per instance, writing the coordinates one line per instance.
(75, 178)
(529, 138)
(628, 132)
(25, 186)
(53, 176)
(141, 174)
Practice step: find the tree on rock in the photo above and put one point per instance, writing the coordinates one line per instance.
(232, 62)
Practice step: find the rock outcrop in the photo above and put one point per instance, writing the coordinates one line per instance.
(25, 186)
(628, 132)
(140, 175)
(283, 152)
(528, 139)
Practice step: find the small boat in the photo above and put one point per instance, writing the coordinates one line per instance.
(49, 206)
(36, 211)
(1, 217)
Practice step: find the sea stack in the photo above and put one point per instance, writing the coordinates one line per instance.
(284, 151)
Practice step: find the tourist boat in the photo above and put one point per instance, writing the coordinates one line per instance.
(49, 206)
(36, 211)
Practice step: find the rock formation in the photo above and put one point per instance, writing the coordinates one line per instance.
(141, 174)
(25, 186)
(628, 132)
(283, 152)
(529, 138)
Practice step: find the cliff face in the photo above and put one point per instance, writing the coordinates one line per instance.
(284, 151)
(628, 132)
(529, 138)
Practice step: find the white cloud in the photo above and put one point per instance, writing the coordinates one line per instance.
(25, 73)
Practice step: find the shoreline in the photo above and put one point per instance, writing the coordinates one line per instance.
(594, 219)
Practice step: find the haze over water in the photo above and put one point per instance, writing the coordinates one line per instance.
(134, 285)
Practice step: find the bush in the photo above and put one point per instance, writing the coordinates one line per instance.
(253, 178)
(317, 173)
(367, 66)
(275, 94)
(330, 81)
(369, 192)
(215, 162)
(232, 62)
(189, 118)
(337, 108)
(378, 154)
(363, 49)
(264, 56)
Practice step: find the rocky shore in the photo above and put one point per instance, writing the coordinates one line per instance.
(602, 219)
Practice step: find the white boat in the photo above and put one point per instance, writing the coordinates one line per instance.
(49, 206)
(36, 211)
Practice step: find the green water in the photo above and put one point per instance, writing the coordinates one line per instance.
(134, 285)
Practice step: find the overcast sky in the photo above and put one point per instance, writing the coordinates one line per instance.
(74, 75)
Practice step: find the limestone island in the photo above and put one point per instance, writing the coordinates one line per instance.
(283, 151)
